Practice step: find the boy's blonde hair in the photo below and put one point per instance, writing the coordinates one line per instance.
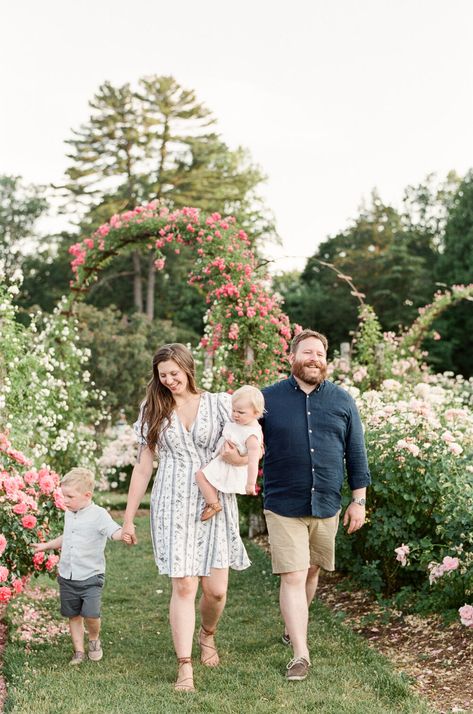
(79, 476)
(252, 395)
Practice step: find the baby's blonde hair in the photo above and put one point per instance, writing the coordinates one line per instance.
(252, 395)
(81, 477)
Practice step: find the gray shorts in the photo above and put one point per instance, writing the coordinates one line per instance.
(81, 597)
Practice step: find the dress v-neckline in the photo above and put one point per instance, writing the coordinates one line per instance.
(189, 430)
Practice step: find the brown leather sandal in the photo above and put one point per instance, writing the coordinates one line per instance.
(211, 659)
(210, 510)
(186, 684)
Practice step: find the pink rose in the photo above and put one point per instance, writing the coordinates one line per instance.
(51, 562)
(29, 521)
(466, 615)
(47, 482)
(30, 477)
(3, 543)
(17, 586)
(3, 574)
(38, 560)
(401, 554)
(5, 594)
(455, 448)
(20, 509)
(59, 499)
(450, 563)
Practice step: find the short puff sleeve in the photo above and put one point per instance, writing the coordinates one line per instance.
(140, 429)
(224, 408)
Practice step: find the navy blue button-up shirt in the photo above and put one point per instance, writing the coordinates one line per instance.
(309, 440)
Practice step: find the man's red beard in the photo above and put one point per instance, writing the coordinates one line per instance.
(301, 371)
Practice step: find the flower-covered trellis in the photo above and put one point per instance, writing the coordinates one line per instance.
(246, 334)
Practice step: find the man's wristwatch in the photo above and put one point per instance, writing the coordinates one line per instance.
(359, 501)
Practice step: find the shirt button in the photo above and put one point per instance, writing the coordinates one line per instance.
(308, 412)
(312, 489)
(310, 431)
(312, 449)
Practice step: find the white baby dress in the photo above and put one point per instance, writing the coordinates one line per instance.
(226, 477)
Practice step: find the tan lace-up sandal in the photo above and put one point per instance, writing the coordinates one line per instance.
(186, 684)
(208, 652)
(210, 510)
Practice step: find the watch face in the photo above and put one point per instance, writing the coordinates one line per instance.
(360, 501)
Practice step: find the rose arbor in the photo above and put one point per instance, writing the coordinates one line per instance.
(246, 334)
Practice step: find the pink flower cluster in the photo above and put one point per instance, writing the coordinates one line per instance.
(436, 570)
(401, 554)
(30, 502)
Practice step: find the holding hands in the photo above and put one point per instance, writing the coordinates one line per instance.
(128, 534)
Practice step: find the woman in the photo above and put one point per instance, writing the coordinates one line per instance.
(182, 424)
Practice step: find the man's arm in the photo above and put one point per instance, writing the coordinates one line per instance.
(355, 515)
(358, 472)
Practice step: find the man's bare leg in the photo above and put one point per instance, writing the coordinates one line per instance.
(293, 603)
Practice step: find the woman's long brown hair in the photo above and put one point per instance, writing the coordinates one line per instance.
(159, 402)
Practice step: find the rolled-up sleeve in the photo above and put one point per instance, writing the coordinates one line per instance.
(356, 459)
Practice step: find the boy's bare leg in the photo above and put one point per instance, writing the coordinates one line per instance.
(76, 627)
(208, 491)
(93, 627)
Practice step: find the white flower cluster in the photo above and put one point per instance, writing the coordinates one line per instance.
(45, 390)
(119, 453)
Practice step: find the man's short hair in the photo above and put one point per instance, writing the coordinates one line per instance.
(304, 335)
(81, 477)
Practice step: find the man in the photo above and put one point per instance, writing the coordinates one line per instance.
(312, 430)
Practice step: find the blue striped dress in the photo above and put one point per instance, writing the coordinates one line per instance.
(183, 544)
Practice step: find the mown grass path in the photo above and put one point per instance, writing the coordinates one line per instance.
(138, 669)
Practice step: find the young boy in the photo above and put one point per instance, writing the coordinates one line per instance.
(82, 562)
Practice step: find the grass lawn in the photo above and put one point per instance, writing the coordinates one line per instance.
(138, 669)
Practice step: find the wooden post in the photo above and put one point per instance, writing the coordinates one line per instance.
(345, 355)
(249, 355)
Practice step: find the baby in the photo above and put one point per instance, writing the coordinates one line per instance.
(245, 433)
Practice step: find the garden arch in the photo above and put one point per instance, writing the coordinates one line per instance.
(247, 334)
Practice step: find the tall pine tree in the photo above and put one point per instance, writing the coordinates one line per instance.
(156, 141)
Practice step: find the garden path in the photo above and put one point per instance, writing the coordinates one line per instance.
(136, 674)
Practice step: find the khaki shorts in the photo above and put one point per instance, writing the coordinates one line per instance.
(298, 542)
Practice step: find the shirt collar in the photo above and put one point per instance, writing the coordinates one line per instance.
(293, 382)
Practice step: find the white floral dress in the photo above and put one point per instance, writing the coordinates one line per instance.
(183, 544)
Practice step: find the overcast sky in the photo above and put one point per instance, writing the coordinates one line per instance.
(331, 98)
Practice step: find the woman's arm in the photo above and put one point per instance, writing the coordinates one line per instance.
(139, 482)
(254, 450)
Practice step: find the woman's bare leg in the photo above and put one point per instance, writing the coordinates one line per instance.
(182, 619)
(212, 603)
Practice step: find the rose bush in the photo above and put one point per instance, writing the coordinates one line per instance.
(31, 510)
(420, 445)
(47, 402)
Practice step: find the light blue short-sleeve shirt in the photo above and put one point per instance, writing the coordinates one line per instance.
(84, 537)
